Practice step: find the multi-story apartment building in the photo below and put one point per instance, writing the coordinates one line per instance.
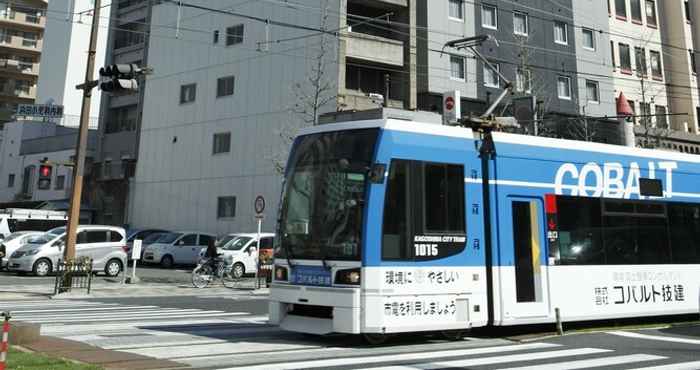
(227, 88)
(120, 115)
(639, 60)
(22, 25)
(681, 39)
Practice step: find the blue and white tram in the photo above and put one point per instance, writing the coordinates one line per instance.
(390, 226)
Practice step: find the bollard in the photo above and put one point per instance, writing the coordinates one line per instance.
(5, 345)
(560, 327)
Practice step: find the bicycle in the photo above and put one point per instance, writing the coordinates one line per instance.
(209, 270)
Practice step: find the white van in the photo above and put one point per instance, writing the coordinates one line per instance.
(103, 244)
(18, 219)
(243, 252)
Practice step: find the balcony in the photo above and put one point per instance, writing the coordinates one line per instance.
(375, 49)
(20, 18)
(22, 92)
(16, 66)
(383, 3)
(18, 42)
(108, 171)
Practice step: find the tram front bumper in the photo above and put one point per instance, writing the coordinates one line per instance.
(315, 310)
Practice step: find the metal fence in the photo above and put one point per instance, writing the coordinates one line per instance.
(73, 275)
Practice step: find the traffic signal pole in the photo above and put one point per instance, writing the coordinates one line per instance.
(80, 152)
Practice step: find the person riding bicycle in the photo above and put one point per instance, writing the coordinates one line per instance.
(212, 253)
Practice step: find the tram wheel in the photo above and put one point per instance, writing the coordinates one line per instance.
(453, 335)
(375, 339)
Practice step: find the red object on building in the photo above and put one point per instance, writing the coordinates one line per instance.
(623, 106)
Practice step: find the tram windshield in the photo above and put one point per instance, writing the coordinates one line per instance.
(324, 196)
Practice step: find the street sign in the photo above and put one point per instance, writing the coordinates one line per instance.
(136, 250)
(259, 204)
(451, 110)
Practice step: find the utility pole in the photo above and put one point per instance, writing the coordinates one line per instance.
(80, 151)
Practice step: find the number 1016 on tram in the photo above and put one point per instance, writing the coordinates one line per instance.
(391, 226)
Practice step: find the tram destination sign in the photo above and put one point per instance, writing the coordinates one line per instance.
(40, 110)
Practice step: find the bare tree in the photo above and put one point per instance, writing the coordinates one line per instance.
(312, 95)
(582, 127)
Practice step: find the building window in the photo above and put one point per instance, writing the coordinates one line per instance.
(625, 58)
(489, 17)
(224, 86)
(640, 56)
(621, 9)
(564, 87)
(520, 24)
(216, 37)
(645, 112)
(612, 53)
(11, 180)
(561, 35)
(226, 207)
(661, 119)
(655, 58)
(634, 110)
(234, 35)
(588, 38)
(651, 12)
(592, 91)
(491, 77)
(457, 10)
(636, 11)
(687, 11)
(60, 182)
(222, 143)
(188, 93)
(457, 69)
(693, 66)
(523, 80)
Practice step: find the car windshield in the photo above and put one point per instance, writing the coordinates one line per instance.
(153, 238)
(237, 243)
(169, 238)
(323, 197)
(221, 243)
(13, 236)
(43, 238)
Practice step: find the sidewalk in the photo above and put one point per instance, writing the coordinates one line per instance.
(110, 360)
(119, 290)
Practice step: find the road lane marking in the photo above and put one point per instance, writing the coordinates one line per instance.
(389, 358)
(84, 309)
(694, 365)
(85, 315)
(596, 362)
(132, 321)
(655, 337)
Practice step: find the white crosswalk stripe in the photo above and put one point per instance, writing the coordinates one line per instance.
(216, 339)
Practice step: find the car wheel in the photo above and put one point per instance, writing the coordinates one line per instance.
(166, 262)
(113, 267)
(42, 267)
(238, 270)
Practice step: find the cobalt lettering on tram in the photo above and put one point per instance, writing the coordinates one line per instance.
(382, 230)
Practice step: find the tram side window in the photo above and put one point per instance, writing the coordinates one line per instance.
(636, 238)
(424, 215)
(580, 232)
(684, 224)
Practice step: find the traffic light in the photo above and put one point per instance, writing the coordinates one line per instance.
(45, 172)
(120, 78)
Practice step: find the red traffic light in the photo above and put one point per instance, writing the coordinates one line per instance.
(45, 170)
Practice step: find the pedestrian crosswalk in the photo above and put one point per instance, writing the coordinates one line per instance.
(219, 339)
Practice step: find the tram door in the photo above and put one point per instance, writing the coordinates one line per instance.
(528, 296)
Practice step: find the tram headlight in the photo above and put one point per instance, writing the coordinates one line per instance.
(281, 273)
(348, 277)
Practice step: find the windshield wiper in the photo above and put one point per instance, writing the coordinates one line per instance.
(287, 253)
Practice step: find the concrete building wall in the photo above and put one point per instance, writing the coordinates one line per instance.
(594, 64)
(178, 179)
(65, 50)
(682, 87)
(643, 34)
(436, 28)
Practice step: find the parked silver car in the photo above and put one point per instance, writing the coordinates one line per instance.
(177, 248)
(12, 242)
(103, 244)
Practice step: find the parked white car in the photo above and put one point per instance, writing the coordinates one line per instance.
(103, 244)
(241, 249)
(180, 247)
(13, 241)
